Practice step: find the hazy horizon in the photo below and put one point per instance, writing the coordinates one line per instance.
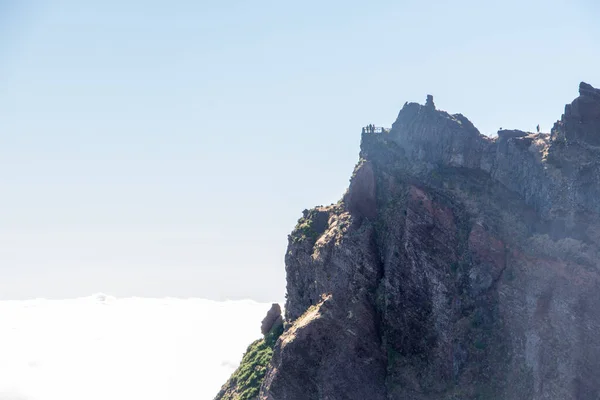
(101, 347)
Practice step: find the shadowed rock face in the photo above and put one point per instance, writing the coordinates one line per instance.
(272, 319)
(582, 116)
(456, 267)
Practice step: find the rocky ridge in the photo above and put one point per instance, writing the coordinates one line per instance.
(456, 266)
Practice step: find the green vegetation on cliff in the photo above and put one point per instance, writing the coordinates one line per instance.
(245, 382)
(311, 226)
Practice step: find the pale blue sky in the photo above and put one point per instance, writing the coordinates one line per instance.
(168, 148)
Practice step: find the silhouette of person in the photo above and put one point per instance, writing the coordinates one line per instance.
(538, 128)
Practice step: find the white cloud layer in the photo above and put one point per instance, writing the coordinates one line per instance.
(100, 347)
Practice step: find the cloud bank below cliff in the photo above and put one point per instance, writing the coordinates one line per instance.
(100, 347)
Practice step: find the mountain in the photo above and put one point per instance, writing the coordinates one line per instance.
(456, 266)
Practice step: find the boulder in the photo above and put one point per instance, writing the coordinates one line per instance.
(272, 319)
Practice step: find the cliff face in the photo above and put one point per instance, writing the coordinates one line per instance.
(455, 267)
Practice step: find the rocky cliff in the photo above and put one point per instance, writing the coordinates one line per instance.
(456, 266)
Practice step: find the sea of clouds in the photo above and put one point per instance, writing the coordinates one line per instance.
(101, 347)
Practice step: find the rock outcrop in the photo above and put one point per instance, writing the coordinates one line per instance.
(456, 266)
(273, 320)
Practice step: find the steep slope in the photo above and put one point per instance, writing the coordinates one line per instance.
(244, 383)
(455, 267)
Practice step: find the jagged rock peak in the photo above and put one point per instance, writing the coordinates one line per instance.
(456, 266)
(581, 121)
(585, 89)
(429, 102)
